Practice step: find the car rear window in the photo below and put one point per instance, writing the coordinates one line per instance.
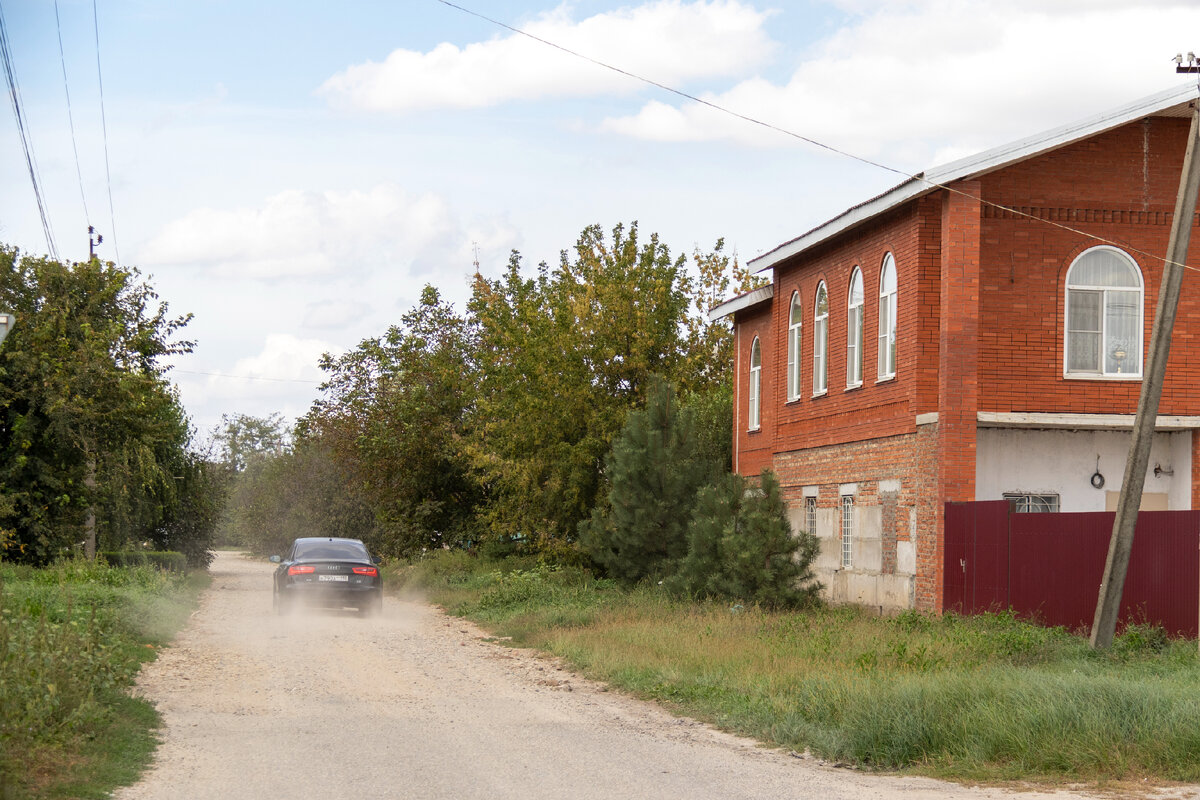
(332, 550)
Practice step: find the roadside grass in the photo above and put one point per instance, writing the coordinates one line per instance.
(989, 698)
(72, 637)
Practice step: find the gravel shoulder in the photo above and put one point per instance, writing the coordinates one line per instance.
(416, 704)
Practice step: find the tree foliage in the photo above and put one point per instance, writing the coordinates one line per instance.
(83, 391)
(494, 427)
(242, 439)
(741, 546)
(393, 417)
(562, 358)
(655, 470)
(301, 491)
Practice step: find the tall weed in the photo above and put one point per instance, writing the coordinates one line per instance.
(70, 634)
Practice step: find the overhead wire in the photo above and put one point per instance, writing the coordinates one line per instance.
(70, 115)
(14, 93)
(919, 177)
(112, 217)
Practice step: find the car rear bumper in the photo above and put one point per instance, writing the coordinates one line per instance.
(329, 595)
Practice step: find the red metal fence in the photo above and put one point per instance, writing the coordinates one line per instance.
(1048, 566)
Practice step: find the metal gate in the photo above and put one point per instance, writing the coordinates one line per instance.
(1048, 567)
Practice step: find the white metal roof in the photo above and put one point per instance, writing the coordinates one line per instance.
(751, 298)
(1171, 103)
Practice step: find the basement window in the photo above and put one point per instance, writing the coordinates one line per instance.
(1023, 503)
(847, 531)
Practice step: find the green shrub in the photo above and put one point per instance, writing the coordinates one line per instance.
(655, 473)
(741, 546)
(1141, 638)
(166, 560)
(71, 638)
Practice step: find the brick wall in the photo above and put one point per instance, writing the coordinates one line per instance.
(1121, 186)
(980, 327)
(752, 450)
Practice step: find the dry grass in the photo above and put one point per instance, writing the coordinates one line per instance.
(987, 698)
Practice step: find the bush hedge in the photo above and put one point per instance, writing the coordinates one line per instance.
(166, 560)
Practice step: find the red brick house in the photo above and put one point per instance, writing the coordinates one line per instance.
(964, 337)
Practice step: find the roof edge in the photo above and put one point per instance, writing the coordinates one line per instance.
(971, 166)
(742, 302)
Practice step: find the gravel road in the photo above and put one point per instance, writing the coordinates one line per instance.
(416, 704)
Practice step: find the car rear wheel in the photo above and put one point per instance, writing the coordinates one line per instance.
(374, 607)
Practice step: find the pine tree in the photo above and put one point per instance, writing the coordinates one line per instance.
(655, 472)
(740, 546)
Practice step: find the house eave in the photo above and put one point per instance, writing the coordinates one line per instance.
(742, 302)
(1084, 422)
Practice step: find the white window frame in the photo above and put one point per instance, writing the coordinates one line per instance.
(821, 341)
(888, 306)
(795, 320)
(1103, 372)
(755, 385)
(847, 531)
(1034, 502)
(854, 330)
(810, 514)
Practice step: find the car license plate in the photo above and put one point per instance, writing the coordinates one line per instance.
(343, 578)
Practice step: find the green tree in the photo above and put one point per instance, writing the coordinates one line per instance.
(655, 470)
(242, 439)
(301, 491)
(87, 418)
(190, 525)
(562, 358)
(741, 546)
(393, 415)
(707, 352)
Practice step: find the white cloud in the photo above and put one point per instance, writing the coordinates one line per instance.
(306, 234)
(285, 357)
(334, 314)
(669, 41)
(902, 80)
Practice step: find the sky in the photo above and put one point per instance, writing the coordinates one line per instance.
(294, 173)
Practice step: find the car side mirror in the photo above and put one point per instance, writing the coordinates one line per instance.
(275, 559)
(376, 560)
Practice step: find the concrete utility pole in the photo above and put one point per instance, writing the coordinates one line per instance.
(1112, 585)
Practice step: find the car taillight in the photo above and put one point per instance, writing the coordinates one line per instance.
(366, 571)
(301, 570)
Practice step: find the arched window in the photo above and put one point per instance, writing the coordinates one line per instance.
(887, 318)
(820, 339)
(755, 383)
(1104, 314)
(854, 329)
(793, 345)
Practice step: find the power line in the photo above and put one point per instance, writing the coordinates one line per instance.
(70, 116)
(14, 94)
(112, 218)
(822, 145)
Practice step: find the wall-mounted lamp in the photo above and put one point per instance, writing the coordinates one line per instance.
(1158, 470)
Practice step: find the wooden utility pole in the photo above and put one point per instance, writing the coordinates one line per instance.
(1112, 586)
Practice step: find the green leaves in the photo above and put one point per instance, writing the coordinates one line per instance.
(741, 546)
(82, 380)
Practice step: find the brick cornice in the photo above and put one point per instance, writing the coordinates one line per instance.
(1076, 215)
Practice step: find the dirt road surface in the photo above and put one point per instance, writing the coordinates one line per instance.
(418, 705)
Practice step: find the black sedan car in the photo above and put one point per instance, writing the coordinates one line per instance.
(329, 573)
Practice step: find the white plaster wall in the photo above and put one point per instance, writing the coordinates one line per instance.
(1062, 462)
(862, 583)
